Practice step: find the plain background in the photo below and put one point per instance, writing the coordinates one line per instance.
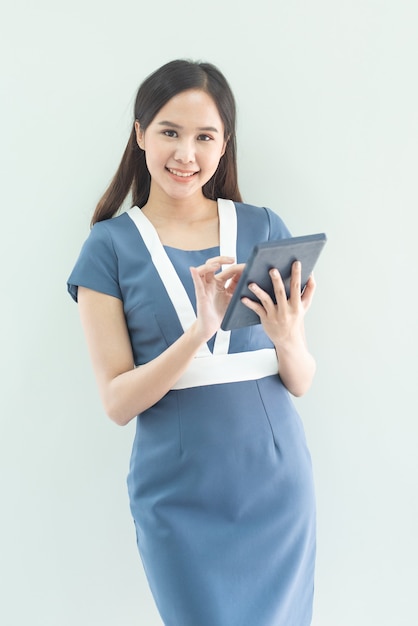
(328, 137)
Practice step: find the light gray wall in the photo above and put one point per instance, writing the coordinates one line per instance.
(328, 136)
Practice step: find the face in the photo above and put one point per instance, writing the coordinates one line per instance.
(183, 144)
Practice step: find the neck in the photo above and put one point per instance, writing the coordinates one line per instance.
(186, 210)
(190, 225)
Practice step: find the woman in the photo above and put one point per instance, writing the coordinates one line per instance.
(220, 478)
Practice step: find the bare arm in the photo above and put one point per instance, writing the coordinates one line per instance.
(284, 324)
(125, 390)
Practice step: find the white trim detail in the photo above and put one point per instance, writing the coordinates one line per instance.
(229, 368)
(228, 247)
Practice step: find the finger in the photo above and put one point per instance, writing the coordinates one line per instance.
(214, 264)
(262, 295)
(228, 279)
(254, 306)
(197, 280)
(207, 271)
(278, 287)
(233, 271)
(295, 282)
(222, 260)
(309, 291)
(203, 283)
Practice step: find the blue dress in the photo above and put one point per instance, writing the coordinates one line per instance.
(220, 479)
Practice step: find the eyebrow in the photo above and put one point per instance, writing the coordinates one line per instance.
(173, 125)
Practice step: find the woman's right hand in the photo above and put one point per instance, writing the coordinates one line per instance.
(214, 290)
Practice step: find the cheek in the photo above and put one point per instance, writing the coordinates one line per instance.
(214, 156)
(153, 154)
(150, 162)
(217, 158)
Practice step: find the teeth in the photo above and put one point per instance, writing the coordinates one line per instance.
(182, 174)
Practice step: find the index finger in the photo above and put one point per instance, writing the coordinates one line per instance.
(213, 265)
(222, 260)
(233, 270)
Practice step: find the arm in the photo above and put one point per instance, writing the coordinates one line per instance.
(125, 390)
(284, 324)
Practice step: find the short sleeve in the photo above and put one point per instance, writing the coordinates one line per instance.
(97, 265)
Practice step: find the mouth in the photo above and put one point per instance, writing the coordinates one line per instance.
(180, 173)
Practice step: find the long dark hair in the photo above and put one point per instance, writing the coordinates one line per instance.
(156, 90)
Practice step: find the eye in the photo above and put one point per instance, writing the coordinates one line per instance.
(204, 138)
(170, 133)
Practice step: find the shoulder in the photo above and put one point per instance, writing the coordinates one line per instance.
(111, 229)
(112, 236)
(262, 218)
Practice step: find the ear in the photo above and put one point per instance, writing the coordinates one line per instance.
(140, 135)
(224, 146)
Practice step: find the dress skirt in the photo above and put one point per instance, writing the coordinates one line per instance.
(222, 496)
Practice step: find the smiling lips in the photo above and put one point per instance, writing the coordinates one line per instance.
(181, 174)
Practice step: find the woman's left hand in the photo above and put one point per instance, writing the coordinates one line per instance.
(283, 320)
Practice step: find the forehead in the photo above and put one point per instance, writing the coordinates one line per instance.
(193, 106)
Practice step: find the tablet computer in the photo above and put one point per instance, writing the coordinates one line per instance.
(278, 254)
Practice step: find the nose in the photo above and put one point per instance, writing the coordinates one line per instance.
(185, 151)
